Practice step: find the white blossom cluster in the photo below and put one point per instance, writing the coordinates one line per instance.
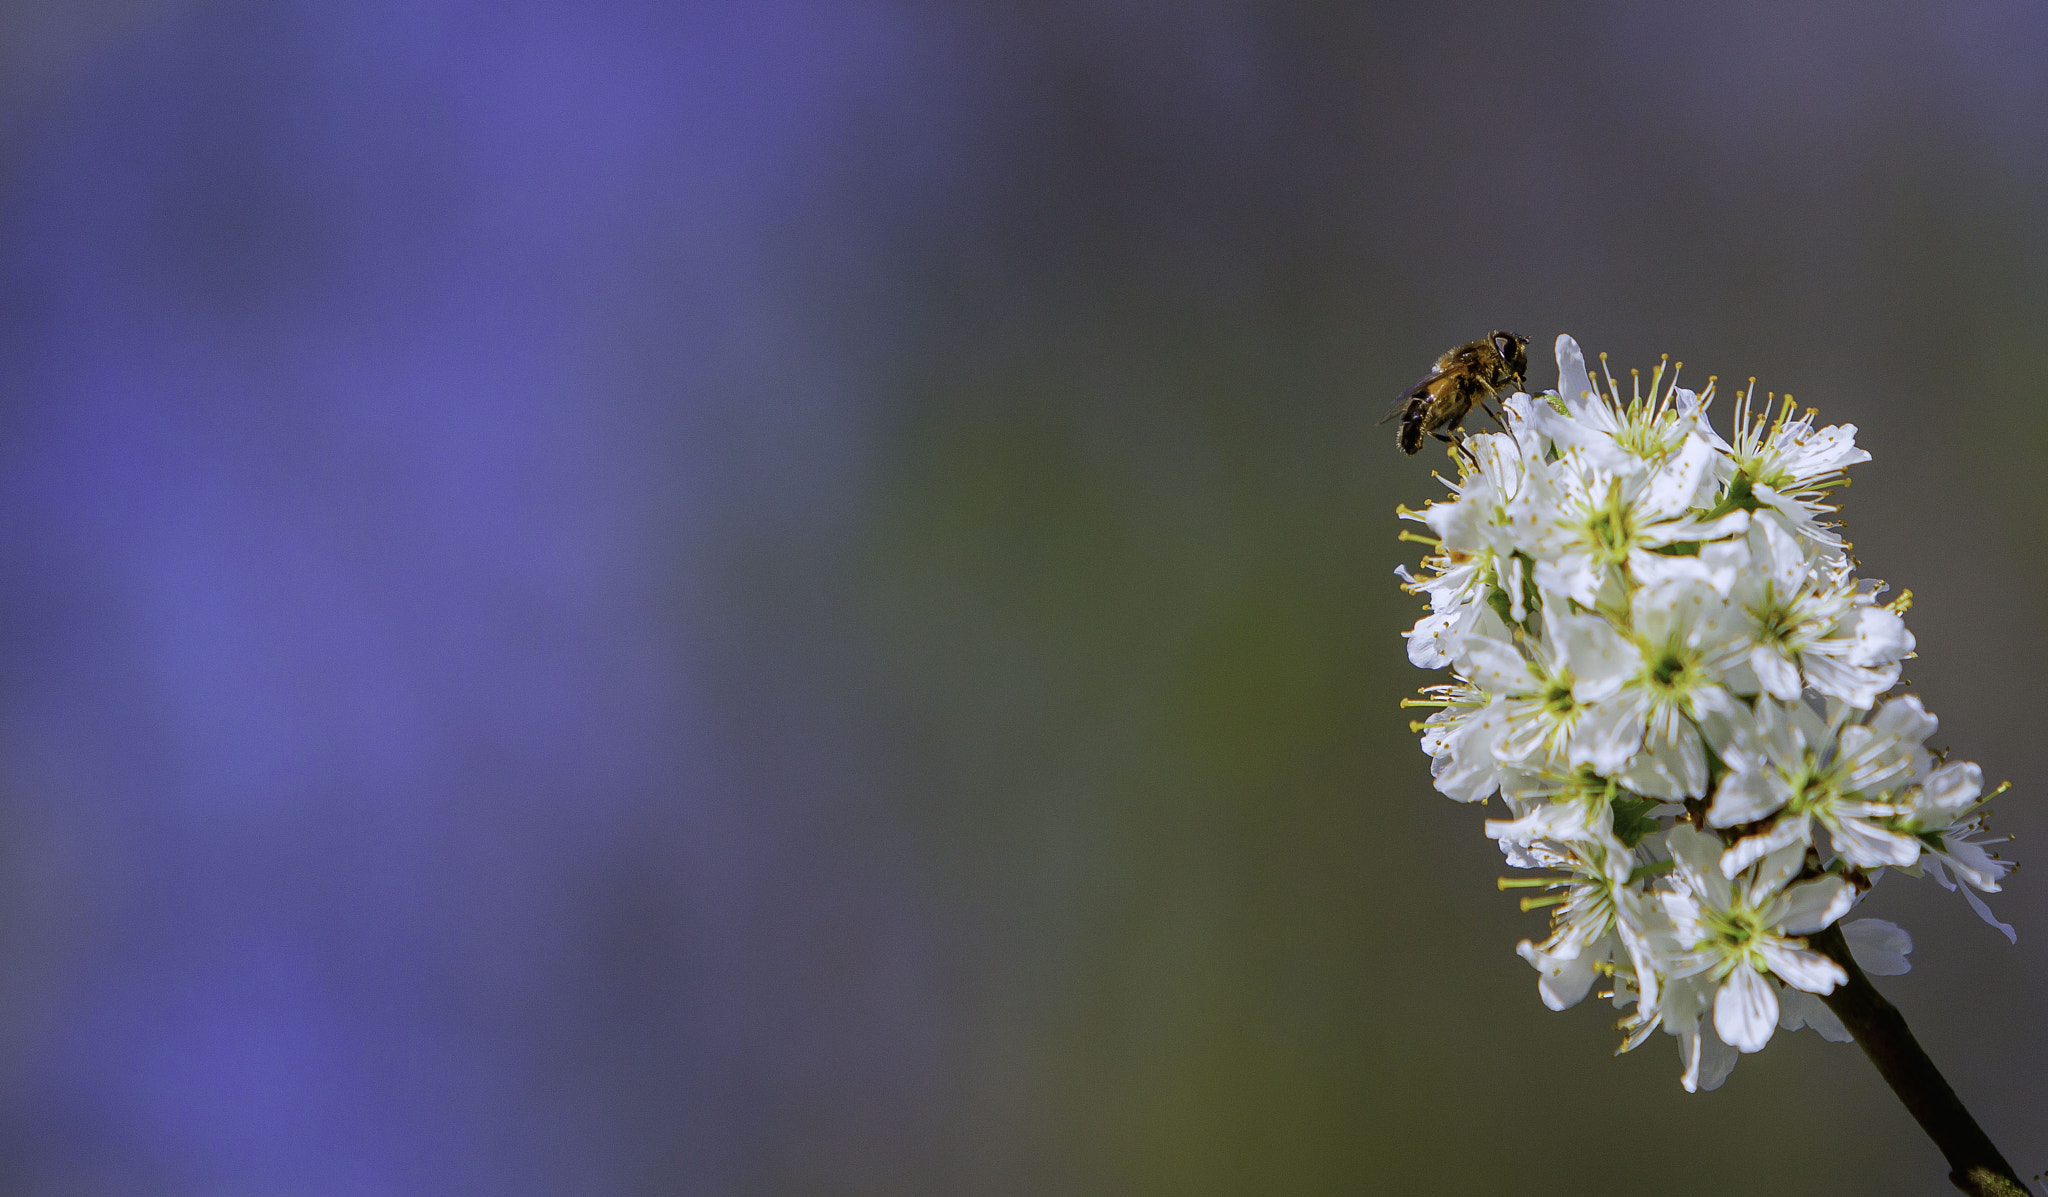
(1664, 663)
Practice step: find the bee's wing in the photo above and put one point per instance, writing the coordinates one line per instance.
(1420, 388)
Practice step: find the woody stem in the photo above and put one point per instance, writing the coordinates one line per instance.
(1880, 1030)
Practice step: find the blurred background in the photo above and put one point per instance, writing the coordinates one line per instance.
(795, 597)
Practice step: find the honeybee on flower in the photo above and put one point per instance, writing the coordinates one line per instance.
(1663, 662)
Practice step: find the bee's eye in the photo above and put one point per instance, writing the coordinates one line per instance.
(1505, 345)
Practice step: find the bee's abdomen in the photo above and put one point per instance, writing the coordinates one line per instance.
(1410, 437)
(1439, 403)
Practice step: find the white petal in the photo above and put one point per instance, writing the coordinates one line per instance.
(1869, 847)
(1689, 1042)
(1586, 432)
(1779, 555)
(1823, 452)
(1951, 788)
(1721, 527)
(1748, 795)
(1745, 1011)
(1879, 637)
(1730, 726)
(1811, 905)
(1974, 865)
(1565, 822)
(1800, 729)
(1857, 685)
(1717, 1060)
(1671, 766)
(1609, 733)
(1469, 772)
(1797, 1009)
(1769, 877)
(1574, 385)
(1698, 855)
(1905, 718)
(1801, 968)
(1879, 948)
(1563, 980)
(1790, 830)
(1779, 676)
(1495, 666)
(1663, 569)
(1429, 643)
(1724, 560)
(1984, 912)
(1600, 658)
(1671, 487)
(1574, 575)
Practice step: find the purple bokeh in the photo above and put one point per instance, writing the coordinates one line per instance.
(396, 371)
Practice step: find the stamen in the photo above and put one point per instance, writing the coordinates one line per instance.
(1784, 415)
(1655, 868)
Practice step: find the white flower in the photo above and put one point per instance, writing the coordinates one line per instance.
(1608, 428)
(1812, 771)
(1947, 819)
(1741, 932)
(1686, 638)
(1567, 807)
(1808, 624)
(1660, 647)
(1546, 693)
(1459, 739)
(1472, 536)
(1787, 465)
(1600, 917)
(1606, 522)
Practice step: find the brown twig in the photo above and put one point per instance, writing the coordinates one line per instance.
(1880, 1030)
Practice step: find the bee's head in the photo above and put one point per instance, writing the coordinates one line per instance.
(1514, 350)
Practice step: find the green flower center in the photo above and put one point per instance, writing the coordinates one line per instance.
(1648, 435)
(1814, 790)
(1557, 698)
(1736, 932)
(1612, 534)
(1673, 671)
(1775, 623)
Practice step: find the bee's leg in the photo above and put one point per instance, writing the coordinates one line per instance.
(1457, 444)
(1486, 405)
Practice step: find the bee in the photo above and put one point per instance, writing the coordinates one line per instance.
(1471, 373)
